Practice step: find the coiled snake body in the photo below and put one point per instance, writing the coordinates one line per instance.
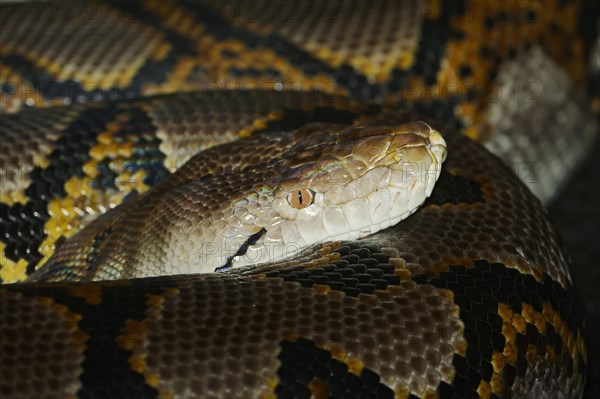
(470, 296)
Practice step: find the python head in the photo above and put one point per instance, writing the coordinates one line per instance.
(335, 183)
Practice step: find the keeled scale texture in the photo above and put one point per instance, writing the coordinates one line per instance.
(41, 349)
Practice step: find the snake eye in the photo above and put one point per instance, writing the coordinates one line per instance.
(301, 198)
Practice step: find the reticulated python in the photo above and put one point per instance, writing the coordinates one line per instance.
(470, 296)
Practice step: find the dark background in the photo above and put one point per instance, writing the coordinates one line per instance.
(576, 212)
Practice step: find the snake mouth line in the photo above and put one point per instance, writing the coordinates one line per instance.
(253, 239)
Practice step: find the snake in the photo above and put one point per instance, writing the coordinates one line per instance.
(291, 200)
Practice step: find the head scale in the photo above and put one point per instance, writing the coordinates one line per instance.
(335, 183)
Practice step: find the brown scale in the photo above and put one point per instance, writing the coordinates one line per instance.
(120, 50)
(41, 347)
(189, 123)
(372, 38)
(231, 353)
(27, 141)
